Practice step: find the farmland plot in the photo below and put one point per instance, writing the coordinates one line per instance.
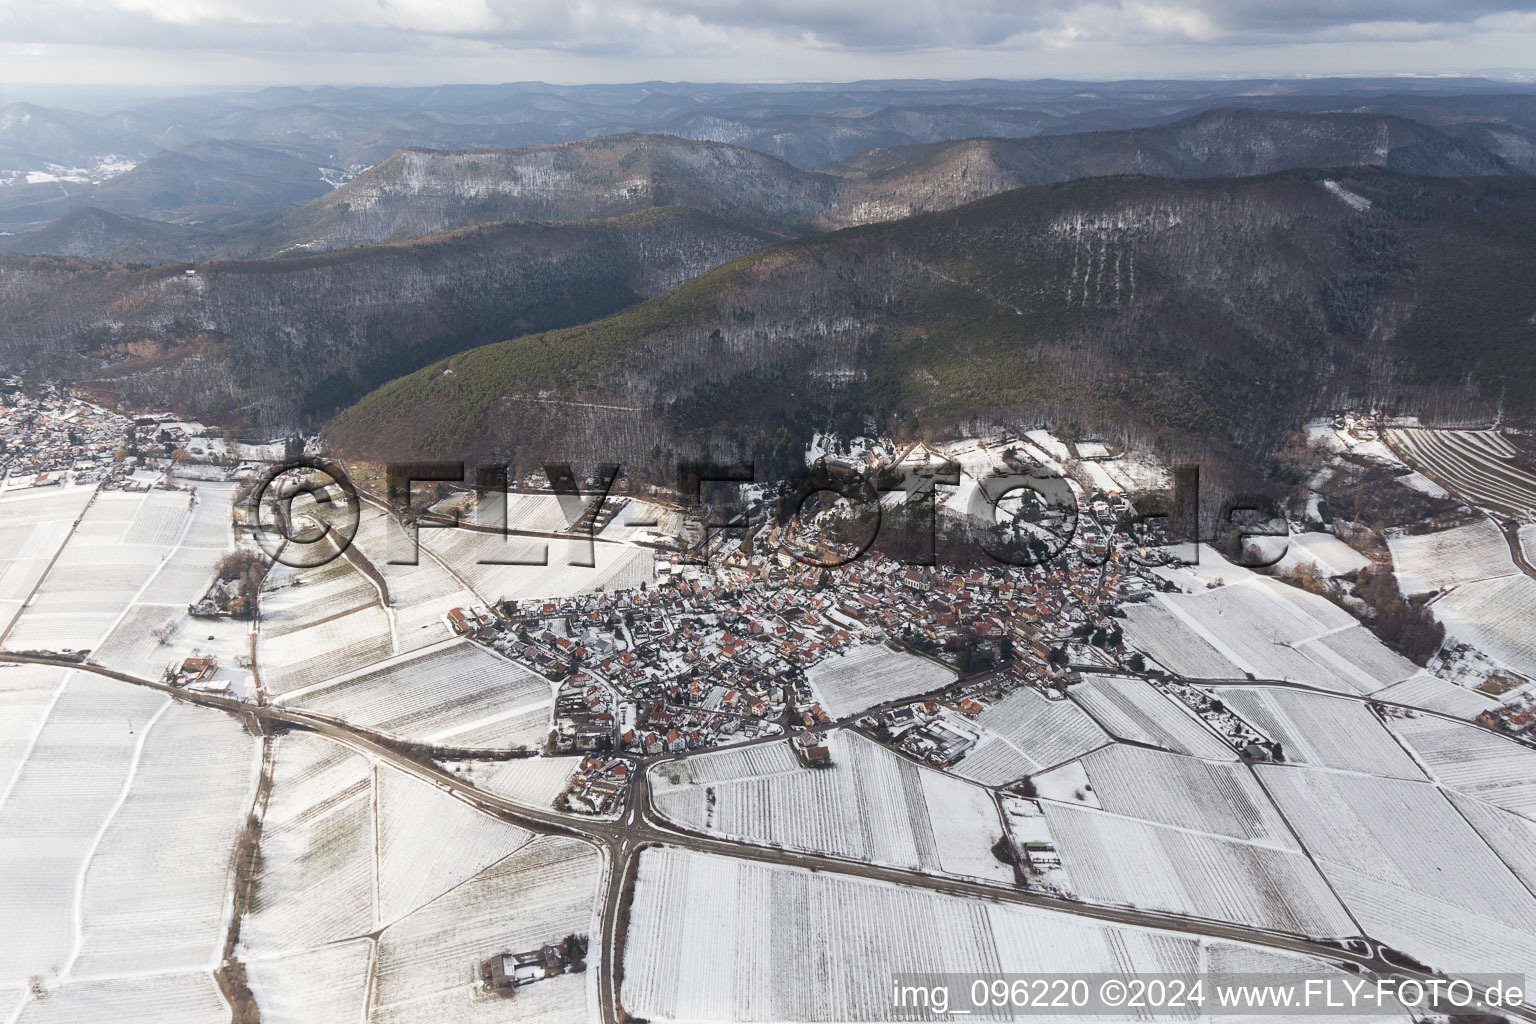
(315, 884)
(718, 939)
(531, 781)
(1495, 617)
(1331, 556)
(350, 849)
(101, 571)
(33, 527)
(1473, 464)
(872, 674)
(872, 806)
(81, 756)
(1474, 761)
(1118, 860)
(160, 999)
(420, 595)
(429, 843)
(155, 890)
(1511, 836)
(1320, 731)
(327, 622)
(1135, 710)
(1435, 930)
(1403, 837)
(454, 694)
(27, 692)
(1219, 797)
(1447, 558)
(156, 630)
(1039, 733)
(1167, 639)
(315, 986)
(1274, 631)
(133, 882)
(426, 964)
(1436, 694)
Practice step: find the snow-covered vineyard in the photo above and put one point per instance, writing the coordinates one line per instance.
(1473, 464)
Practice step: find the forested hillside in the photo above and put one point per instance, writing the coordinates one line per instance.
(266, 345)
(1210, 315)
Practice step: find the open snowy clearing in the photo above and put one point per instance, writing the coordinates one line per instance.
(872, 674)
(872, 805)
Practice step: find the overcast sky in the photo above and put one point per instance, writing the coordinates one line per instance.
(259, 42)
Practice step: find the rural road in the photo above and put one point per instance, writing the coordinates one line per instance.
(623, 838)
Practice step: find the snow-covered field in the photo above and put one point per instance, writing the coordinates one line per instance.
(108, 564)
(1435, 561)
(723, 940)
(1495, 617)
(119, 811)
(1474, 465)
(1025, 733)
(1112, 859)
(454, 694)
(1219, 797)
(872, 806)
(351, 848)
(1474, 761)
(1436, 694)
(872, 674)
(1330, 556)
(1261, 626)
(1321, 731)
(320, 623)
(1410, 868)
(531, 781)
(618, 566)
(34, 525)
(1132, 709)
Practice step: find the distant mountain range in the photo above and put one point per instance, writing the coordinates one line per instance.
(335, 133)
(418, 191)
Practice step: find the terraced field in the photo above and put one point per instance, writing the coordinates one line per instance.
(1475, 465)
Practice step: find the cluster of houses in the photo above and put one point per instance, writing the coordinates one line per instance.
(597, 786)
(1518, 718)
(716, 652)
(51, 438)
